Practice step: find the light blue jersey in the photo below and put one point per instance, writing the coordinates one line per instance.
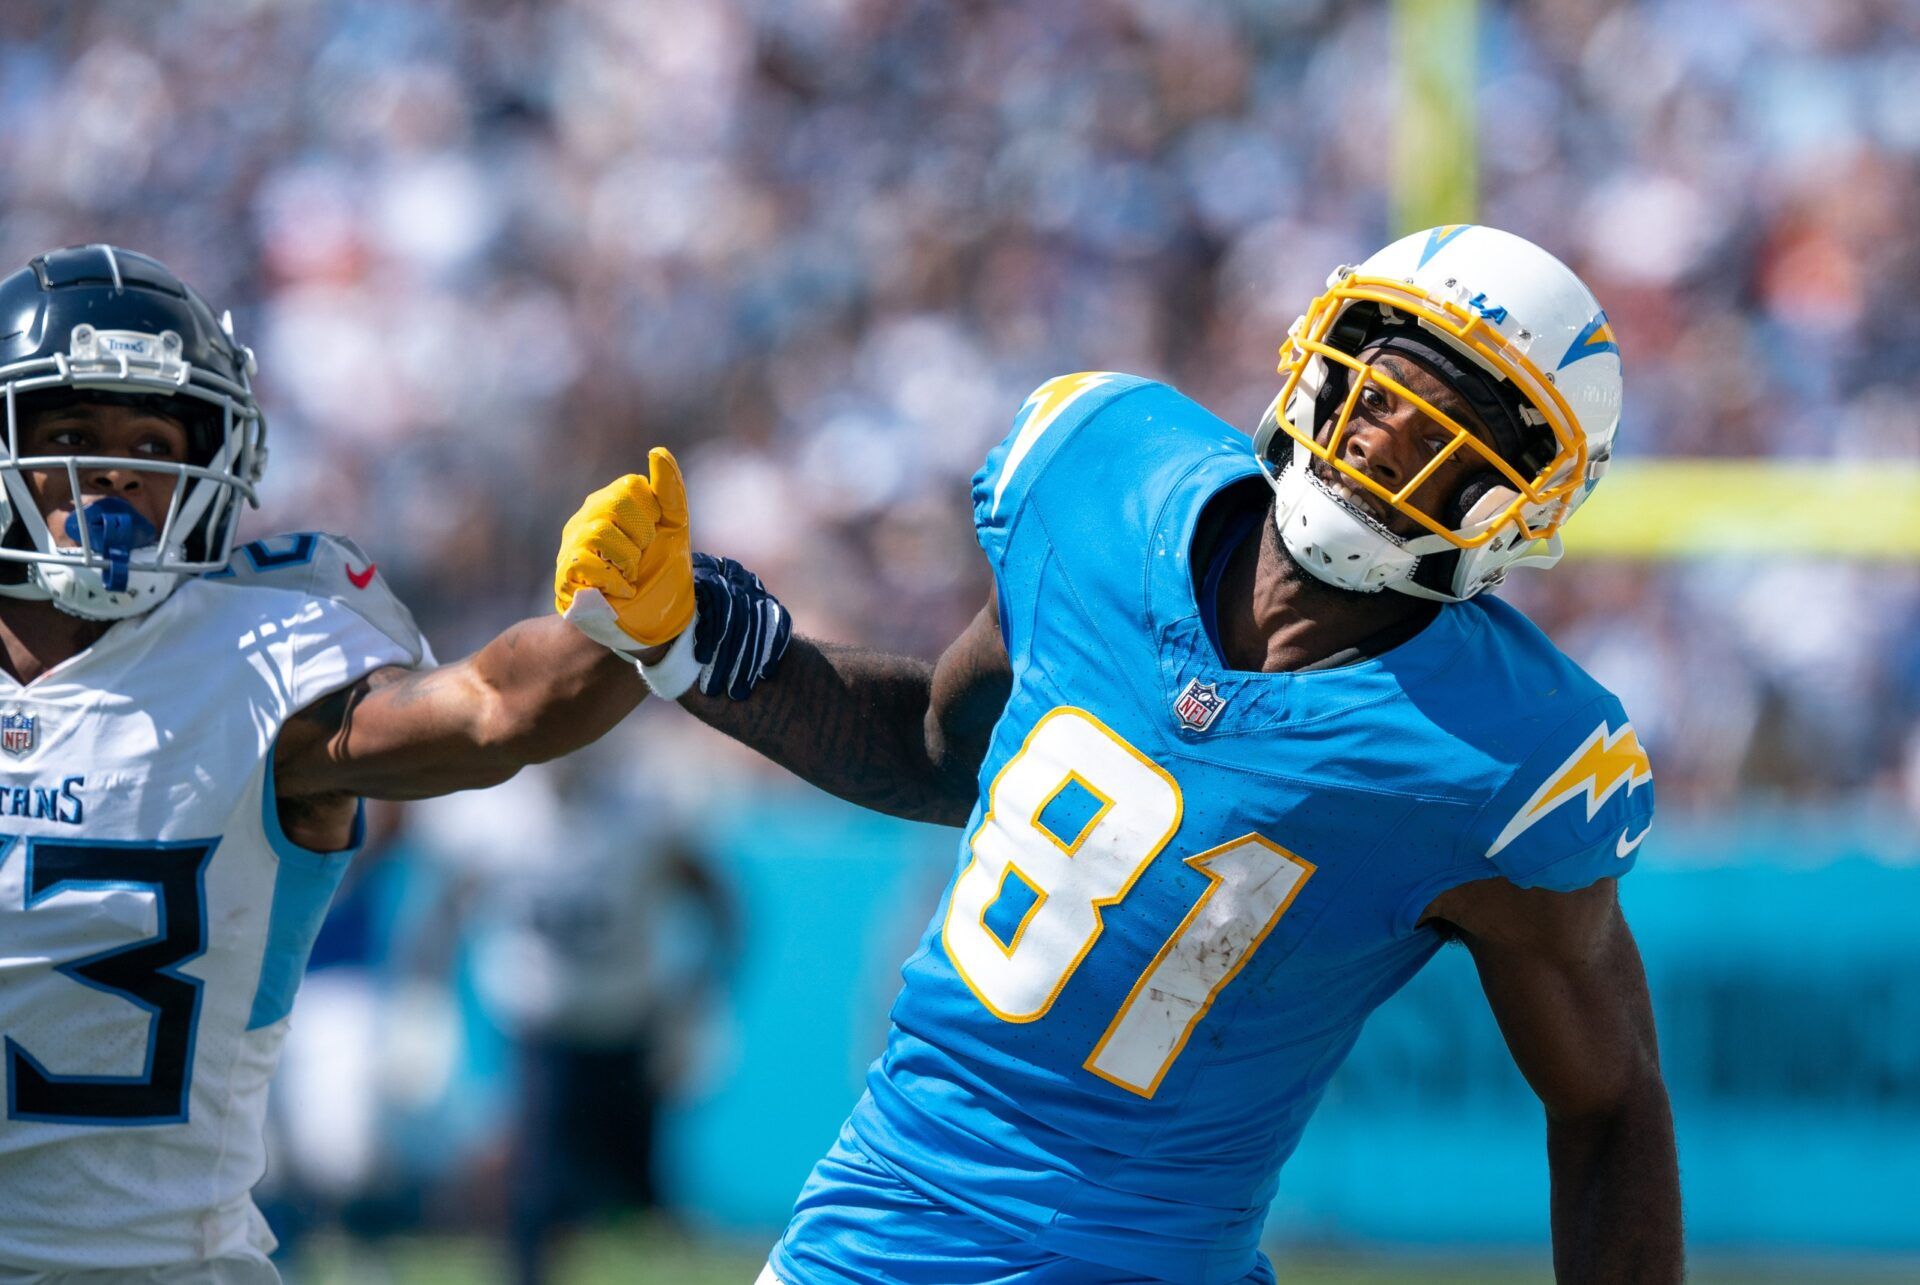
(1185, 887)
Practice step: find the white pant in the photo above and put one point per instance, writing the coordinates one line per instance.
(219, 1271)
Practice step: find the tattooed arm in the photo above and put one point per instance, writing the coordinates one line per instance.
(539, 690)
(891, 733)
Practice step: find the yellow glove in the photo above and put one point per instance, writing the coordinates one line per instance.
(624, 575)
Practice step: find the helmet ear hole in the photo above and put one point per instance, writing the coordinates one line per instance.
(1479, 501)
(1479, 498)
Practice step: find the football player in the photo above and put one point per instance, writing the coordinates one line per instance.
(189, 730)
(1238, 742)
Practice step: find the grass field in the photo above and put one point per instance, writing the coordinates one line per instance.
(647, 1255)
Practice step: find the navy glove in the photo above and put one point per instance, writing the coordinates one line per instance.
(741, 631)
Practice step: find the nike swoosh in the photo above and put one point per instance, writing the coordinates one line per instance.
(361, 579)
(1625, 847)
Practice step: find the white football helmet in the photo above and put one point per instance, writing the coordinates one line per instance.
(99, 321)
(1520, 337)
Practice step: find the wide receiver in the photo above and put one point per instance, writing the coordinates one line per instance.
(1239, 742)
(188, 732)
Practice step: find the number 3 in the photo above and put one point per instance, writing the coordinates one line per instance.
(141, 972)
(1073, 880)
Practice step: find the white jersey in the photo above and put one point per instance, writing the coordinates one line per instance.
(154, 919)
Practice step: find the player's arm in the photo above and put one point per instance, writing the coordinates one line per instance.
(1564, 978)
(891, 733)
(539, 690)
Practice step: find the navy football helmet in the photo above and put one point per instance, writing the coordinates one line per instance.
(99, 322)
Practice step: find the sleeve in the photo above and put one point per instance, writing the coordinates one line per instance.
(1576, 810)
(1045, 421)
(333, 570)
(331, 646)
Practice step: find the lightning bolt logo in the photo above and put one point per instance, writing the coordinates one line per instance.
(1041, 410)
(1604, 763)
(1597, 337)
(1438, 238)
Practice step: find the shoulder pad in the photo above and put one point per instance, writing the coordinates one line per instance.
(1047, 417)
(329, 567)
(1577, 809)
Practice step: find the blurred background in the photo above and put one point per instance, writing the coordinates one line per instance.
(599, 1023)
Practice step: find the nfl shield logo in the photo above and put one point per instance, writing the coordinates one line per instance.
(1199, 704)
(16, 732)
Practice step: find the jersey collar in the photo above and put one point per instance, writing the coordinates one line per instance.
(1255, 702)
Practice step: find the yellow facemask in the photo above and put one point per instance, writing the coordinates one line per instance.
(1536, 505)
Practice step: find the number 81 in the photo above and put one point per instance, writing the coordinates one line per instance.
(1252, 882)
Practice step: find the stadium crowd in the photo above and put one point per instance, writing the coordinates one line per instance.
(490, 250)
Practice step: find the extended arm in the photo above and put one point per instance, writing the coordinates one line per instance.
(1565, 982)
(891, 733)
(539, 690)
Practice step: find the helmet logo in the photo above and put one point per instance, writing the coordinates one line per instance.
(1491, 312)
(1438, 239)
(1596, 338)
(1198, 705)
(111, 351)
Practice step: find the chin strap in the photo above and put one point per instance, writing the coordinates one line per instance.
(1334, 543)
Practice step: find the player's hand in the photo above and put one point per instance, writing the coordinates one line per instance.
(624, 575)
(742, 630)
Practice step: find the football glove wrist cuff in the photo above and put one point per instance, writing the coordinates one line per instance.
(593, 615)
(675, 672)
(740, 630)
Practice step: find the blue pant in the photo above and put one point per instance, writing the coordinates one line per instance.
(857, 1224)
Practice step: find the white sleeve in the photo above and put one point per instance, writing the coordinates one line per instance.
(328, 647)
(334, 570)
